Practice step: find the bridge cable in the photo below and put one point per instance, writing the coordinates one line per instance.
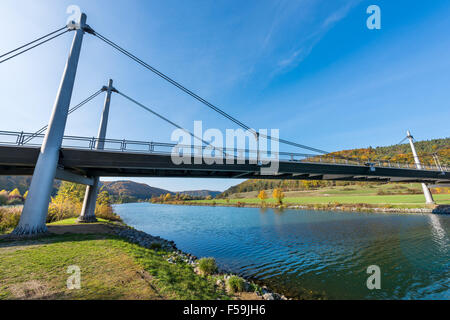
(32, 47)
(192, 94)
(73, 109)
(402, 141)
(169, 121)
(25, 45)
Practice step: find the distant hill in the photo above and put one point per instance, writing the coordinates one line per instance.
(121, 191)
(130, 190)
(400, 153)
(9, 183)
(201, 193)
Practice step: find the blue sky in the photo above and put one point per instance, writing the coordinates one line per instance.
(310, 68)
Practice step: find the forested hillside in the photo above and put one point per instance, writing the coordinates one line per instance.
(130, 191)
(400, 153)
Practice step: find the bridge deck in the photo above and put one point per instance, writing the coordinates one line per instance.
(20, 160)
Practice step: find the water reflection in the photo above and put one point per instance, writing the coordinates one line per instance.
(438, 233)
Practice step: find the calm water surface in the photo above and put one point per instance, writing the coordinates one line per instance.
(324, 251)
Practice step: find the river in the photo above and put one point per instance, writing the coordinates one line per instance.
(297, 251)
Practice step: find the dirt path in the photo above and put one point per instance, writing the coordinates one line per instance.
(91, 228)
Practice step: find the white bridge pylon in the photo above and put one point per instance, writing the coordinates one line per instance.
(34, 213)
(90, 198)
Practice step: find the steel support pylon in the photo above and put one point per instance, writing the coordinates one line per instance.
(90, 198)
(426, 191)
(34, 213)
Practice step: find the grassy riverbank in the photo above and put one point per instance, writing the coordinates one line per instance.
(395, 201)
(382, 196)
(111, 268)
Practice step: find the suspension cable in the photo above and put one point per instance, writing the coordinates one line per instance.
(192, 94)
(402, 141)
(169, 121)
(73, 109)
(32, 47)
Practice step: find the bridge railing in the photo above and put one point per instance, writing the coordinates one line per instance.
(77, 142)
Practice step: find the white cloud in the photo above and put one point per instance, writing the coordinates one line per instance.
(301, 51)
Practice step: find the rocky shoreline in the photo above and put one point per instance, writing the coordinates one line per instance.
(440, 209)
(154, 242)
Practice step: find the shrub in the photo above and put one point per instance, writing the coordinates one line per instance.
(3, 197)
(15, 193)
(235, 284)
(155, 246)
(9, 218)
(207, 266)
(105, 211)
(62, 210)
(14, 201)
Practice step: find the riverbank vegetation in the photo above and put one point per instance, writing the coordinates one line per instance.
(66, 204)
(356, 196)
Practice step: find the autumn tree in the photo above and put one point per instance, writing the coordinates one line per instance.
(3, 197)
(15, 193)
(167, 197)
(262, 196)
(104, 198)
(278, 195)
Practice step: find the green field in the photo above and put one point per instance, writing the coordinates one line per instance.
(395, 200)
(394, 195)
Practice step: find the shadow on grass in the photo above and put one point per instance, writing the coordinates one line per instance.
(48, 238)
(56, 233)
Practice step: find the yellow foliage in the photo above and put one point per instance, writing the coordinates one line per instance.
(278, 195)
(262, 195)
(15, 193)
(167, 197)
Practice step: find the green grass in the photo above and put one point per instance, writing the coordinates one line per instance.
(111, 268)
(71, 221)
(400, 201)
(407, 195)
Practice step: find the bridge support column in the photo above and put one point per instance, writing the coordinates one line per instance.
(34, 213)
(90, 198)
(426, 192)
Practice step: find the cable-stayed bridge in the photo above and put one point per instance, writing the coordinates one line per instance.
(48, 154)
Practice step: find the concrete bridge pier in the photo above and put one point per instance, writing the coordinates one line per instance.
(90, 198)
(34, 213)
